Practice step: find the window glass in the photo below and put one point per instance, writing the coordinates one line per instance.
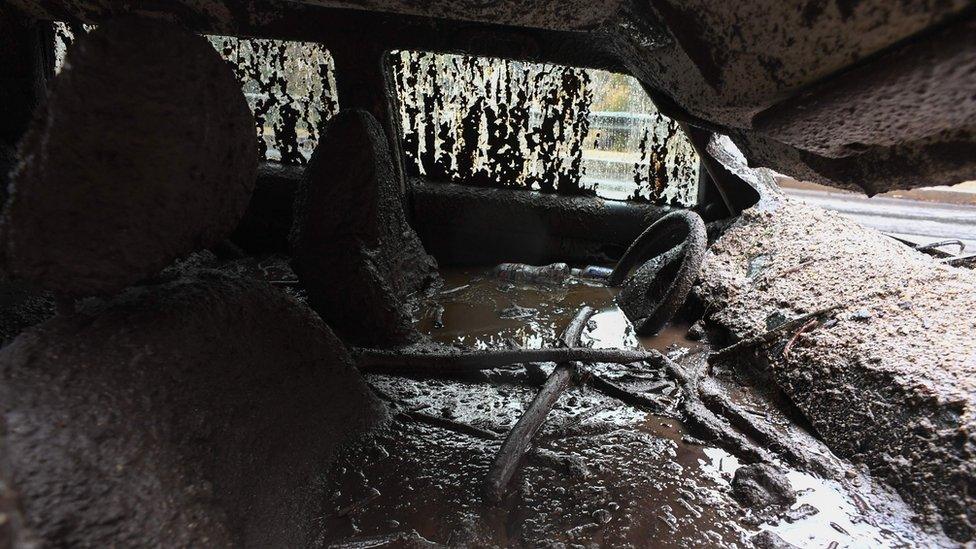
(290, 87)
(64, 35)
(495, 122)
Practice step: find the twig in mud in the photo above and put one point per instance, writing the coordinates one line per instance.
(395, 539)
(705, 421)
(770, 335)
(961, 261)
(613, 390)
(520, 436)
(372, 495)
(941, 244)
(387, 361)
(536, 456)
(806, 327)
(719, 403)
(579, 418)
(285, 282)
(449, 424)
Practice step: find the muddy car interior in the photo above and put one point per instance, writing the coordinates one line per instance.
(504, 273)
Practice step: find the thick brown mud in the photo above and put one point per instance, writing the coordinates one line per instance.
(611, 475)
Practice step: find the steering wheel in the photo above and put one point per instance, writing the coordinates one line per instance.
(657, 289)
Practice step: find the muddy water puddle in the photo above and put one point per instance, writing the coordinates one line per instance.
(481, 312)
(613, 475)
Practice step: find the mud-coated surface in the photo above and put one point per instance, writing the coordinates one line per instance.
(21, 308)
(603, 473)
(868, 93)
(889, 379)
(353, 249)
(143, 152)
(199, 412)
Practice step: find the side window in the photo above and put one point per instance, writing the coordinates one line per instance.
(290, 87)
(64, 35)
(502, 123)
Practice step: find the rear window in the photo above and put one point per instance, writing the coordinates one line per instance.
(290, 87)
(551, 128)
(475, 120)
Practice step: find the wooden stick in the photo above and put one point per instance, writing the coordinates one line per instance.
(770, 335)
(763, 432)
(613, 390)
(536, 456)
(520, 437)
(449, 424)
(806, 327)
(699, 416)
(386, 361)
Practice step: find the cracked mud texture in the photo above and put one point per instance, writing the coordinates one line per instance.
(143, 152)
(197, 412)
(353, 250)
(890, 379)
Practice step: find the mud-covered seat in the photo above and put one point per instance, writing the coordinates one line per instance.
(354, 252)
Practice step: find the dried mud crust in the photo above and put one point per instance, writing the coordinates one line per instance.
(198, 412)
(890, 378)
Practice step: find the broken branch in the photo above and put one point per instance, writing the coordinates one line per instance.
(449, 424)
(613, 390)
(770, 335)
(806, 327)
(386, 361)
(520, 437)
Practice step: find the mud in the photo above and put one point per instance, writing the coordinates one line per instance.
(615, 475)
(760, 485)
(887, 380)
(108, 190)
(354, 252)
(21, 308)
(197, 412)
(465, 225)
(762, 72)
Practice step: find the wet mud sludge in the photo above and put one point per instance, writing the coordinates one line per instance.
(323, 273)
(601, 471)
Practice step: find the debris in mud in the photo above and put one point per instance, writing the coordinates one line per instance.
(354, 252)
(520, 436)
(143, 151)
(556, 273)
(576, 484)
(399, 540)
(760, 485)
